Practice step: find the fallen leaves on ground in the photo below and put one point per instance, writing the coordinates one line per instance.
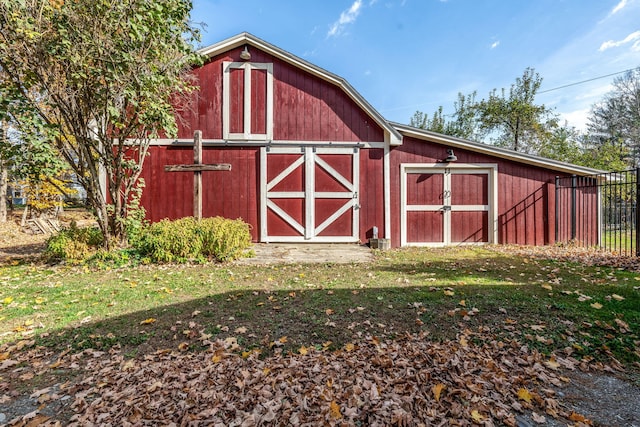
(573, 253)
(474, 379)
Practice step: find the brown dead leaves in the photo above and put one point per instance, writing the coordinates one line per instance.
(473, 380)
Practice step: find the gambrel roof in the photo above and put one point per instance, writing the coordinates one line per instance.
(393, 131)
(391, 134)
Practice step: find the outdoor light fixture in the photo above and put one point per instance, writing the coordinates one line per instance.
(245, 54)
(450, 156)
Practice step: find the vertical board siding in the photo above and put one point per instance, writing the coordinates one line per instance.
(231, 194)
(470, 227)
(167, 194)
(236, 105)
(469, 189)
(258, 101)
(586, 219)
(306, 108)
(425, 227)
(425, 188)
(371, 193)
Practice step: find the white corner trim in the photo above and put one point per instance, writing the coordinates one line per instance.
(386, 184)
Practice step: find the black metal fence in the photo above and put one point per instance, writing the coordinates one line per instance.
(600, 210)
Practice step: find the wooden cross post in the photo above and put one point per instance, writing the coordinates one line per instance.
(197, 168)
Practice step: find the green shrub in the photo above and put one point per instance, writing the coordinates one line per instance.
(188, 239)
(225, 239)
(73, 244)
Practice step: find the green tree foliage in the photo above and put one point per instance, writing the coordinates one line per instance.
(25, 149)
(462, 124)
(562, 144)
(508, 119)
(513, 120)
(606, 156)
(96, 78)
(614, 123)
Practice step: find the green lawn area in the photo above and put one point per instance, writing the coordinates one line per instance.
(621, 241)
(550, 305)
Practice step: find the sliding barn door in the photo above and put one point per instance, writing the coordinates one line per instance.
(309, 194)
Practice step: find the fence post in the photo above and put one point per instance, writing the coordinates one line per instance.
(557, 207)
(637, 218)
(574, 184)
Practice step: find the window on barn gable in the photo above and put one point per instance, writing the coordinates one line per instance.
(248, 101)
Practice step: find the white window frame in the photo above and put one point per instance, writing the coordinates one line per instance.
(226, 101)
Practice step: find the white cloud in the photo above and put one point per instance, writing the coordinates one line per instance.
(495, 44)
(619, 6)
(611, 43)
(346, 17)
(577, 118)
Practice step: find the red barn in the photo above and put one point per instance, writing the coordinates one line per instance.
(312, 161)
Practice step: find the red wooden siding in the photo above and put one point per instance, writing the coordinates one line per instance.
(167, 194)
(469, 189)
(305, 108)
(424, 188)
(371, 193)
(470, 227)
(293, 182)
(236, 105)
(526, 199)
(424, 227)
(324, 182)
(231, 194)
(586, 219)
(258, 102)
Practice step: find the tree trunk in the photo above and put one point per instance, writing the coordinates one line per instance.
(4, 178)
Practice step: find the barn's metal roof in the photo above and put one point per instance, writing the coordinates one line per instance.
(494, 151)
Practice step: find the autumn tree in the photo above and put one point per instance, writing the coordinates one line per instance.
(4, 170)
(614, 122)
(99, 78)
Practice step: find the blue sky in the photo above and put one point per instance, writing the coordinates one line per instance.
(408, 55)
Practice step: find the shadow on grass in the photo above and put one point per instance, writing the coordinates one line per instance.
(399, 293)
(258, 318)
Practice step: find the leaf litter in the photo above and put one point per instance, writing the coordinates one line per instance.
(368, 390)
(476, 379)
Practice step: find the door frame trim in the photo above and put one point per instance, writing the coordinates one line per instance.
(309, 161)
(410, 168)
